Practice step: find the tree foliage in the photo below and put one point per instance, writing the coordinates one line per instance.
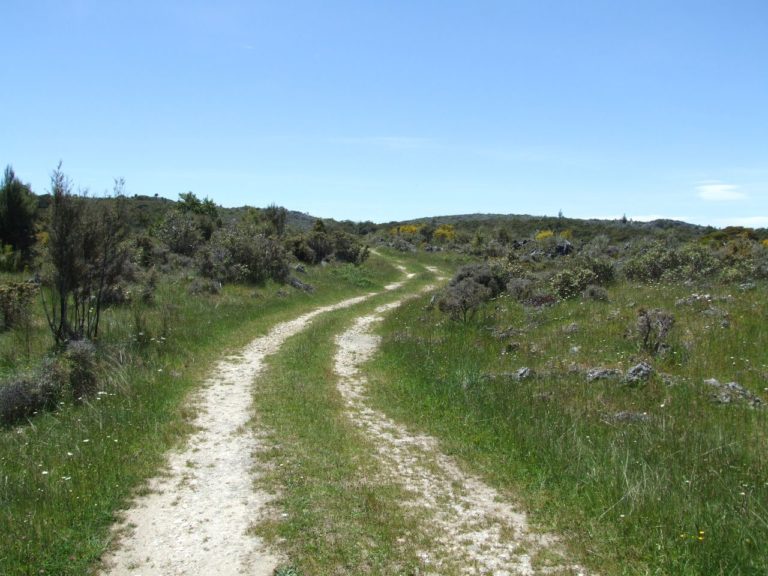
(17, 213)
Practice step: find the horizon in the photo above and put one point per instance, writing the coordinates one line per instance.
(388, 112)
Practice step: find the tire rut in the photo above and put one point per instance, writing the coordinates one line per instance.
(195, 517)
(475, 530)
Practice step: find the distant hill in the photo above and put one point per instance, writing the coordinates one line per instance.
(525, 225)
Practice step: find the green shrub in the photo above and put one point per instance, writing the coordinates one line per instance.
(572, 282)
(181, 232)
(596, 293)
(348, 248)
(652, 263)
(240, 253)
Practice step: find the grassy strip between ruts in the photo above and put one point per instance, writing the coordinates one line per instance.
(652, 477)
(338, 516)
(64, 475)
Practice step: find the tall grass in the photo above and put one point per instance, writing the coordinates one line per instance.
(65, 474)
(650, 478)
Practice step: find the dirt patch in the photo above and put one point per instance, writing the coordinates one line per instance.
(476, 530)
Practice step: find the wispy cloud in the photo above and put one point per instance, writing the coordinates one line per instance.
(719, 192)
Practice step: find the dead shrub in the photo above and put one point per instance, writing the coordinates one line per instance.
(652, 329)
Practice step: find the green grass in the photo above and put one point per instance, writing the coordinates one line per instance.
(685, 492)
(340, 517)
(64, 475)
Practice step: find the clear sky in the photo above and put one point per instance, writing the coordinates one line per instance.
(395, 109)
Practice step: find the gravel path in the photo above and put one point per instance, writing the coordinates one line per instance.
(195, 518)
(476, 530)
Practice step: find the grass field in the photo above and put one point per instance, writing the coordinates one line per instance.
(650, 477)
(66, 473)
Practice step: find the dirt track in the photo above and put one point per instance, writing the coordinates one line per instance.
(194, 519)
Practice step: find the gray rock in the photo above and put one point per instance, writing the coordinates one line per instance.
(639, 373)
(731, 393)
(601, 374)
(299, 285)
(628, 417)
(523, 373)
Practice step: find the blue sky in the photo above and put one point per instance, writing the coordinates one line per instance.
(394, 109)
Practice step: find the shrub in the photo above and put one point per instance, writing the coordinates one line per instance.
(572, 282)
(15, 299)
(469, 288)
(652, 263)
(302, 251)
(520, 288)
(602, 268)
(596, 293)
(239, 253)
(83, 380)
(347, 248)
(19, 400)
(652, 329)
(180, 231)
(494, 277)
(25, 396)
(462, 299)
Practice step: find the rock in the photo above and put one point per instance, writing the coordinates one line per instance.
(732, 392)
(563, 248)
(601, 374)
(523, 373)
(638, 373)
(299, 285)
(575, 349)
(300, 269)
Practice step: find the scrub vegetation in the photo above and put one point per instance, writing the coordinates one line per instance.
(610, 374)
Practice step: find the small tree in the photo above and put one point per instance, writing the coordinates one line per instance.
(17, 213)
(86, 254)
(277, 216)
